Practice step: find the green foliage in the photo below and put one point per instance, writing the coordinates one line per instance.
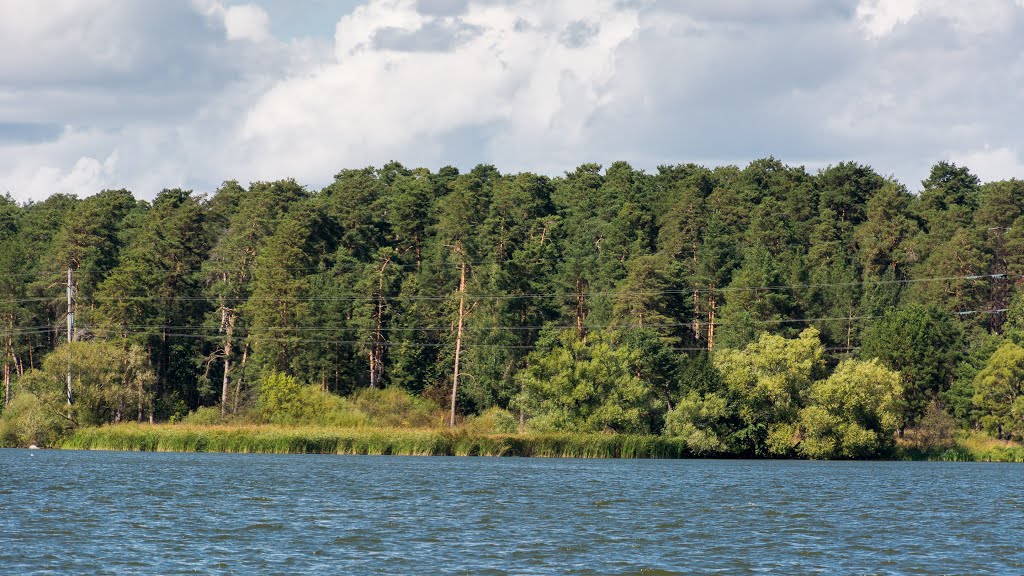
(999, 393)
(925, 345)
(935, 431)
(603, 299)
(767, 381)
(586, 385)
(28, 421)
(949, 197)
(109, 383)
(279, 396)
(883, 238)
(492, 421)
(319, 440)
(203, 416)
(283, 400)
(396, 408)
(853, 413)
(958, 400)
(702, 421)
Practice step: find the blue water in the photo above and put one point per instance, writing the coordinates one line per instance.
(121, 513)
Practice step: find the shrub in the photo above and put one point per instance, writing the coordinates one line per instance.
(700, 421)
(587, 385)
(492, 421)
(325, 409)
(853, 413)
(283, 400)
(394, 407)
(935, 431)
(27, 421)
(204, 416)
(279, 397)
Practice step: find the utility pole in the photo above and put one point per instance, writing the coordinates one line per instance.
(458, 334)
(71, 331)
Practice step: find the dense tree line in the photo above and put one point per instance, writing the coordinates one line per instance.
(758, 310)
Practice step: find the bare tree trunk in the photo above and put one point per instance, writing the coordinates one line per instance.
(8, 356)
(7, 383)
(139, 399)
(580, 307)
(458, 339)
(228, 322)
(238, 381)
(161, 363)
(849, 327)
(696, 315)
(419, 262)
(711, 321)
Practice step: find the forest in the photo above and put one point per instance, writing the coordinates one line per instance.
(762, 311)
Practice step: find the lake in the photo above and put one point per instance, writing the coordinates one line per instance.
(67, 512)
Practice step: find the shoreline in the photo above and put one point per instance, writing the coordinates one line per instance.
(274, 439)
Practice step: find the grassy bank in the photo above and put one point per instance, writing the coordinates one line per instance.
(968, 447)
(271, 439)
(316, 440)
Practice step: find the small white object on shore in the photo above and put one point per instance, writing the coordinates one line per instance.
(33, 447)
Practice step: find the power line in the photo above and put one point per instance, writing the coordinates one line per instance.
(389, 344)
(520, 327)
(264, 333)
(498, 297)
(251, 268)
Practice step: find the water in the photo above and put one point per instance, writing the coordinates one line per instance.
(120, 513)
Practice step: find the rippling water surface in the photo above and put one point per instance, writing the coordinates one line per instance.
(117, 513)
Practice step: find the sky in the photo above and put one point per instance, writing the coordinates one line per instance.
(98, 94)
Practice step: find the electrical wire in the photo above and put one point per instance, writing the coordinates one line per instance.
(449, 296)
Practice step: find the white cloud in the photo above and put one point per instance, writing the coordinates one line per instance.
(990, 164)
(120, 93)
(240, 22)
(247, 22)
(515, 72)
(879, 18)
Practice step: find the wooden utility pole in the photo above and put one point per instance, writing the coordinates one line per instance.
(458, 334)
(71, 332)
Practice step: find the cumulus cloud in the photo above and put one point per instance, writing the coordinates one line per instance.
(880, 17)
(111, 93)
(240, 22)
(509, 73)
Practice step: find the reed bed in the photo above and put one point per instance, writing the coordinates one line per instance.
(967, 447)
(403, 442)
(273, 439)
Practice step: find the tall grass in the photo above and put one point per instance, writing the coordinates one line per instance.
(315, 440)
(275, 439)
(967, 447)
